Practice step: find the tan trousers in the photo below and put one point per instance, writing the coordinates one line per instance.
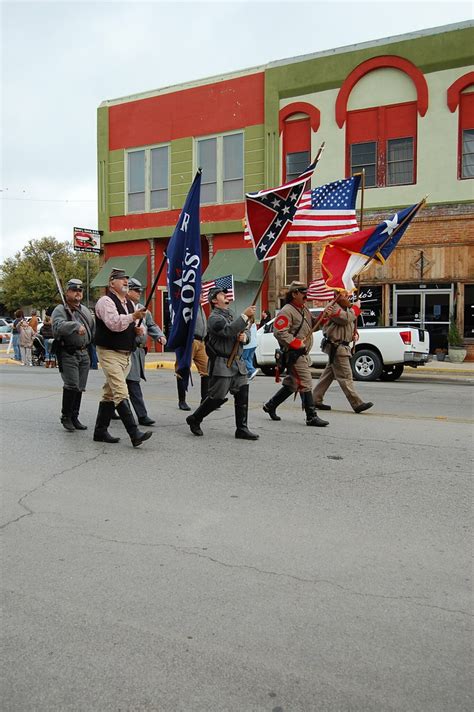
(115, 367)
(299, 379)
(340, 370)
(199, 357)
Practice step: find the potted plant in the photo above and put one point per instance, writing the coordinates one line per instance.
(456, 350)
(441, 354)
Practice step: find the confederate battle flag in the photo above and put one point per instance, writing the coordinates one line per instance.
(269, 214)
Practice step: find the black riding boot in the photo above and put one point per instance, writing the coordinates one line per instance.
(194, 421)
(69, 397)
(204, 387)
(241, 406)
(75, 412)
(182, 405)
(280, 396)
(312, 417)
(104, 415)
(126, 416)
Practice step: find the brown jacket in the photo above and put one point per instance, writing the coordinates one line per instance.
(340, 327)
(293, 325)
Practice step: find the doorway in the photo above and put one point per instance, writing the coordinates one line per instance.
(427, 307)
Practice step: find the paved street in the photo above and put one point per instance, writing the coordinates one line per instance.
(317, 570)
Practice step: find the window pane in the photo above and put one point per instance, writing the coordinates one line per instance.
(468, 153)
(136, 202)
(159, 168)
(136, 171)
(233, 190)
(296, 163)
(292, 263)
(233, 156)
(364, 155)
(158, 199)
(400, 161)
(207, 151)
(208, 192)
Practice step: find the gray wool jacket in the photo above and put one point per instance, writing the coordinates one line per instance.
(66, 328)
(222, 331)
(137, 357)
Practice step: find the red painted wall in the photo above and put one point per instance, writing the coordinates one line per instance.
(209, 213)
(213, 108)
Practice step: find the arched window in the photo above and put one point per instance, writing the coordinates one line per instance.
(296, 122)
(461, 94)
(382, 139)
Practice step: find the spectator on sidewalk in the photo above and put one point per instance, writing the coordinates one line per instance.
(46, 332)
(16, 335)
(34, 321)
(249, 350)
(26, 342)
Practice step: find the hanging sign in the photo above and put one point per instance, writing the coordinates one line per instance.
(86, 240)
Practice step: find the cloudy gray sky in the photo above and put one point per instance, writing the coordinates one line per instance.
(61, 59)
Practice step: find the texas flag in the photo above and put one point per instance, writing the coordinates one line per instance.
(348, 256)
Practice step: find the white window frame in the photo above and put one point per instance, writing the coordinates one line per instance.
(220, 164)
(147, 188)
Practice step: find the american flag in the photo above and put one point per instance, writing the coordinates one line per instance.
(226, 282)
(318, 291)
(327, 211)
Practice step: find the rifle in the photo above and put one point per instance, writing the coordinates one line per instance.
(153, 286)
(58, 283)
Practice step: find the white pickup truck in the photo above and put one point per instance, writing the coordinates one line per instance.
(381, 352)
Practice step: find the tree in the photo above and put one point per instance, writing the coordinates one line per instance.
(27, 279)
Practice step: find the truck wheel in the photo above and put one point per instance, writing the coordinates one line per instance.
(268, 370)
(366, 365)
(392, 373)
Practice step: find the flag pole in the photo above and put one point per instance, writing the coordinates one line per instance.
(361, 221)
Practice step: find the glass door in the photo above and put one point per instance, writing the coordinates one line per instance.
(408, 308)
(436, 311)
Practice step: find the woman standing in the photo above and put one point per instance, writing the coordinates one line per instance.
(26, 342)
(46, 332)
(16, 335)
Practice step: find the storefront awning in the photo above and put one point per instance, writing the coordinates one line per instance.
(241, 263)
(134, 266)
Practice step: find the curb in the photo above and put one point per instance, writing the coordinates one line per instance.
(169, 365)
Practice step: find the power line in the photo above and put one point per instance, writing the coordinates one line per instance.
(45, 200)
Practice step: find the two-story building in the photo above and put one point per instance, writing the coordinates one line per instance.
(401, 108)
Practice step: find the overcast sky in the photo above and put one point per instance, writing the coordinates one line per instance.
(61, 59)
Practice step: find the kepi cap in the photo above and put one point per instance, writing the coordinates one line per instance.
(118, 274)
(298, 286)
(214, 292)
(135, 284)
(75, 284)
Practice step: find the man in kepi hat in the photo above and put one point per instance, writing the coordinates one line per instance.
(222, 332)
(137, 369)
(293, 329)
(73, 329)
(116, 331)
(339, 328)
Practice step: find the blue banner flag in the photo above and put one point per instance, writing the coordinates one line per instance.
(184, 279)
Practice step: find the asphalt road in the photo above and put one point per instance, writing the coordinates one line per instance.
(317, 569)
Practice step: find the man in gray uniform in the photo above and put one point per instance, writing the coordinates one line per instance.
(222, 333)
(73, 329)
(137, 357)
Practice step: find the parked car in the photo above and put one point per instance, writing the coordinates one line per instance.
(381, 352)
(5, 326)
(5, 330)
